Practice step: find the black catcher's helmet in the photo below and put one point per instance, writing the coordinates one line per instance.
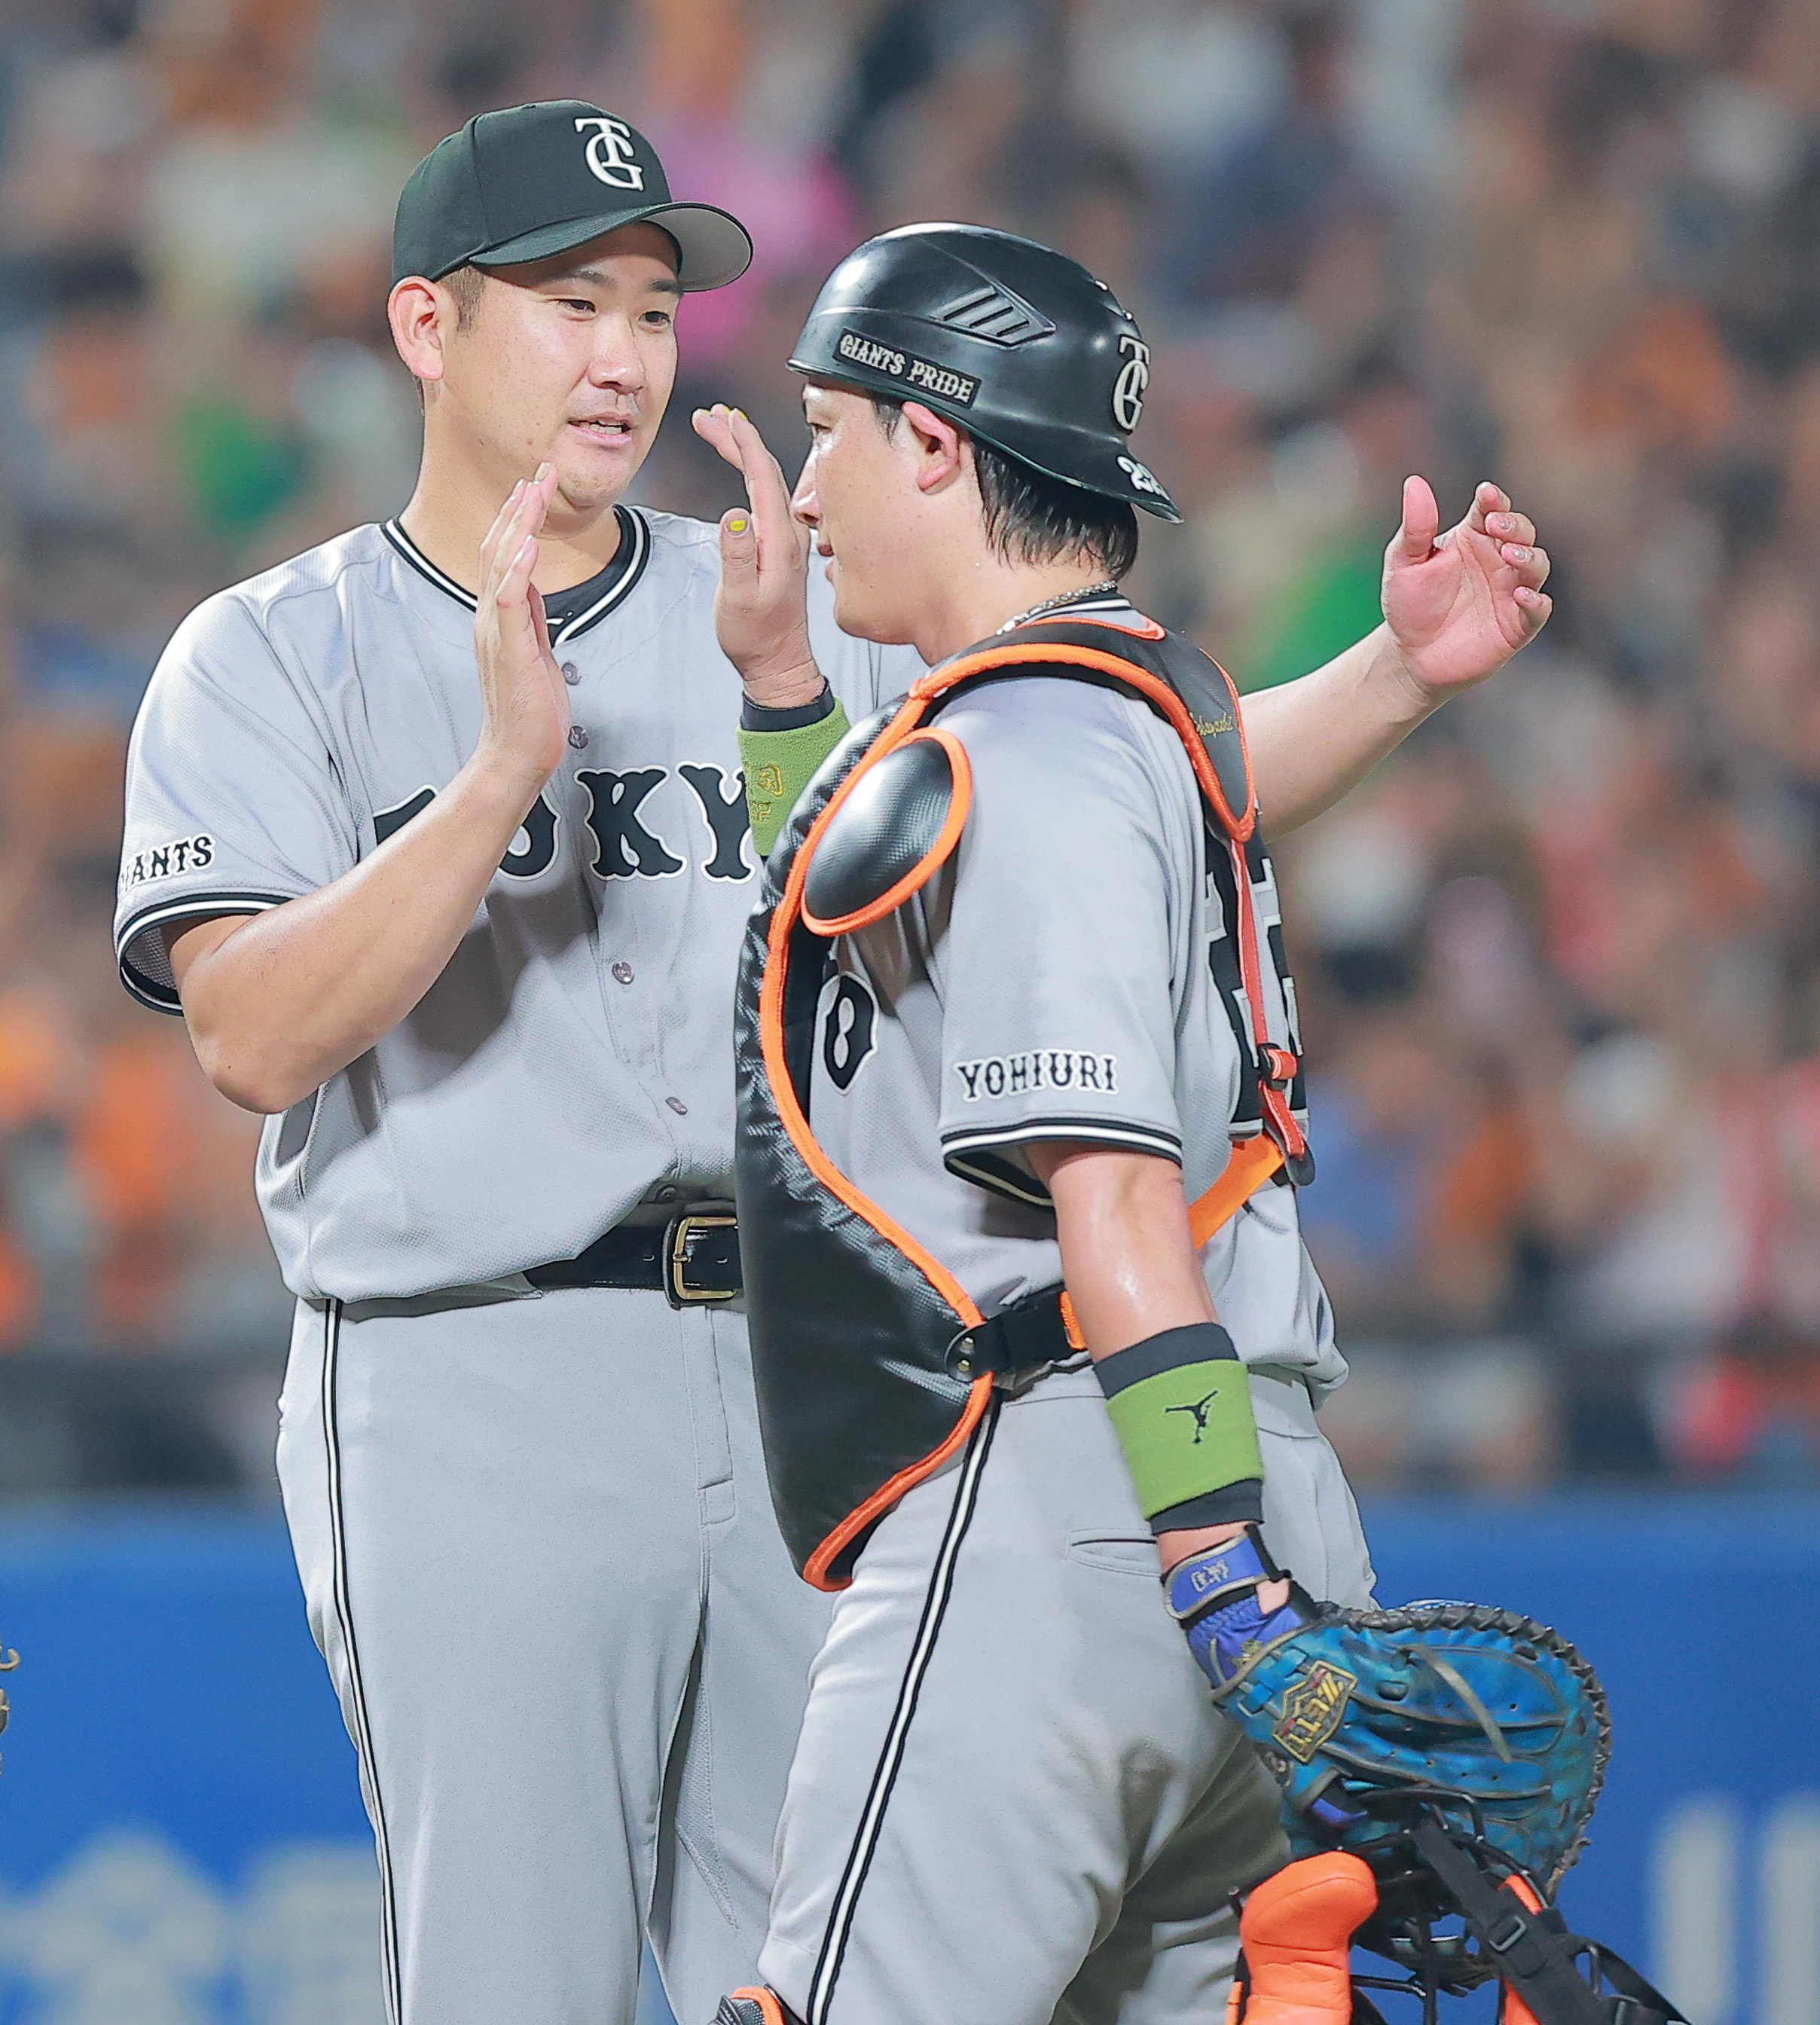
(1016, 343)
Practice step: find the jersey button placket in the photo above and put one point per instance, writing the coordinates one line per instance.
(623, 971)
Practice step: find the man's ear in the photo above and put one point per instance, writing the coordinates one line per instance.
(419, 312)
(942, 449)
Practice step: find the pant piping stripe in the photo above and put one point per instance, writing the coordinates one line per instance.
(356, 1693)
(891, 1758)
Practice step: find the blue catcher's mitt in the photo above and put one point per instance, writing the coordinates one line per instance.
(1476, 1716)
(1452, 1753)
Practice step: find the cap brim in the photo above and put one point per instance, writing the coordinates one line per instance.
(713, 247)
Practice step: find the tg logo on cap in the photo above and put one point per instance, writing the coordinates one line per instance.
(610, 153)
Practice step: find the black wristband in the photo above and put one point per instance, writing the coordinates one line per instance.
(1240, 1504)
(761, 717)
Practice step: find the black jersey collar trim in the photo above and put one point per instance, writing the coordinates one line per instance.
(421, 563)
(614, 583)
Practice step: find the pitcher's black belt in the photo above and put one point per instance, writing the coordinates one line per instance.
(693, 1259)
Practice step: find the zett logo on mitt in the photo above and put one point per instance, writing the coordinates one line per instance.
(1312, 1708)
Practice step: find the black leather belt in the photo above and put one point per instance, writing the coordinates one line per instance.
(693, 1259)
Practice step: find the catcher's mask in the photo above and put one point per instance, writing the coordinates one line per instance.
(1017, 343)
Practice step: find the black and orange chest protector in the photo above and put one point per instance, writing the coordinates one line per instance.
(872, 1363)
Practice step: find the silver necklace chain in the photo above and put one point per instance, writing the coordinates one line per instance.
(1106, 589)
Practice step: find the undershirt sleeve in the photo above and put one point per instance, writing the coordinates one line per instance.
(234, 804)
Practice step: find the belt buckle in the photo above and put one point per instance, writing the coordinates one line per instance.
(679, 1244)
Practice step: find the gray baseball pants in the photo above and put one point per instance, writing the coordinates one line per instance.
(1013, 1801)
(539, 1558)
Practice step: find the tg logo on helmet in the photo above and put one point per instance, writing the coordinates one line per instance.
(1134, 377)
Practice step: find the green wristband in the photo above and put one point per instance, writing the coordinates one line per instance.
(1187, 1426)
(779, 765)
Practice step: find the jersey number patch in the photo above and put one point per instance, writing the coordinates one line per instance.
(849, 1028)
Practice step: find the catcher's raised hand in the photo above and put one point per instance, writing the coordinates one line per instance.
(761, 611)
(1459, 604)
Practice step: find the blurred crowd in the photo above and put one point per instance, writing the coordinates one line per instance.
(1559, 962)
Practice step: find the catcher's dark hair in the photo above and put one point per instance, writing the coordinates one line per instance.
(1033, 518)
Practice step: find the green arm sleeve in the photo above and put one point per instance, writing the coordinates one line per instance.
(779, 765)
(1188, 1431)
(1181, 1404)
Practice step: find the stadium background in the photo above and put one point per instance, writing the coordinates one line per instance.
(1560, 961)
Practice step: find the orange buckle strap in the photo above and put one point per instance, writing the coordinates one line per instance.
(1277, 1065)
(1512, 2010)
(1251, 1164)
(1277, 1068)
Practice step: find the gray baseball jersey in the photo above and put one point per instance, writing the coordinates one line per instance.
(572, 1061)
(1054, 981)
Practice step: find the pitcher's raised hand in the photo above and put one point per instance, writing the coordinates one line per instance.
(525, 698)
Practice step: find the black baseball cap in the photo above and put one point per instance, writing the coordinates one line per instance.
(531, 180)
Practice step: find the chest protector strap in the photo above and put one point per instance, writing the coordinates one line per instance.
(873, 1364)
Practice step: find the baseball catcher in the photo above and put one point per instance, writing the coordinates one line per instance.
(1021, 1129)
